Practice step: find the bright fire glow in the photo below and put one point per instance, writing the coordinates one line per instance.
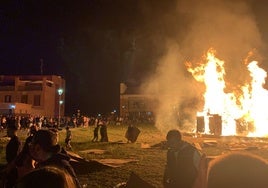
(241, 114)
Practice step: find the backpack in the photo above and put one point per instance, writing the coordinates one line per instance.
(182, 166)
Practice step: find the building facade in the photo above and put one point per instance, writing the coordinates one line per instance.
(135, 105)
(36, 95)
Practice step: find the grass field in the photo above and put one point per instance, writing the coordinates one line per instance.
(148, 162)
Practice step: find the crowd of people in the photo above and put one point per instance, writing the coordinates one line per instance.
(40, 157)
(26, 121)
(40, 153)
(41, 162)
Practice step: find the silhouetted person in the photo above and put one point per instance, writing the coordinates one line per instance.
(238, 170)
(103, 131)
(182, 162)
(14, 145)
(13, 148)
(45, 149)
(68, 138)
(47, 177)
(24, 162)
(96, 133)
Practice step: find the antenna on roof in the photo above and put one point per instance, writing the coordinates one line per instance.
(41, 66)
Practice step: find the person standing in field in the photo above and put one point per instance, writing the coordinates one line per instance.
(68, 138)
(182, 162)
(23, 163)
(13, 149)
(14, 145)
(103, 131)
(96, 133)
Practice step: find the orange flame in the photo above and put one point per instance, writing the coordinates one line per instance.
(238, 112)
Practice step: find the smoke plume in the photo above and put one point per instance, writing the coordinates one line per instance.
(227, 26)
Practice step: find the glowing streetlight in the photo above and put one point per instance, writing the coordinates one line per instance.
(60, 92)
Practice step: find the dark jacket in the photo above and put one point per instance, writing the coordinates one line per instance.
(181, 168)
(61, 160)
(12, 149)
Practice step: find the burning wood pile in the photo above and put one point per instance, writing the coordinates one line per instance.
(238, 112)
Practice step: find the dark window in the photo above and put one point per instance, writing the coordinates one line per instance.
(37, 100)
(137, 104)
(7, 98)
(24, 99)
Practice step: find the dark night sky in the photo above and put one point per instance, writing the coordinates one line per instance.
(93, 44)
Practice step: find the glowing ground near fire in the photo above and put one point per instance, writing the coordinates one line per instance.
(239, 112)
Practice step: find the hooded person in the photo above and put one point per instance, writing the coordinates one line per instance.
(46, 151)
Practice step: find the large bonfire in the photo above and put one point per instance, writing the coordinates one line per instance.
(242, 113)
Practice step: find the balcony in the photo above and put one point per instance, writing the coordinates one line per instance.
(7, 88)
(30, 88)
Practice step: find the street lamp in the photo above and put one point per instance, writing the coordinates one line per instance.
(60, 91)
